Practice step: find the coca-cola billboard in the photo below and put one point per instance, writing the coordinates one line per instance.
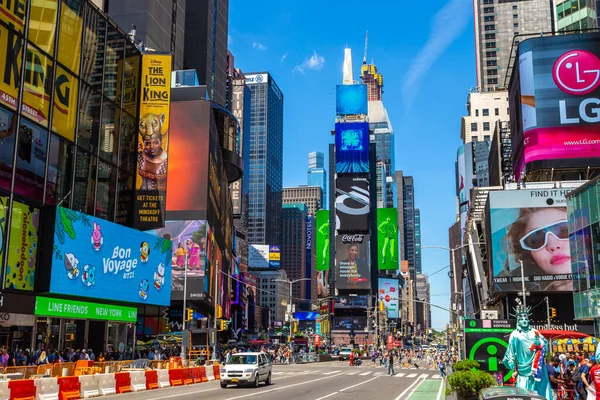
(352, 262)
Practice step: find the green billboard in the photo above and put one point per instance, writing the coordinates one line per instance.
(322, 242)
(387, 238)
(50, 307)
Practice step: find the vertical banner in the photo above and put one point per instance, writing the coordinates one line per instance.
(322, 252)
(153, 139)
(387, 238)
(22, 247)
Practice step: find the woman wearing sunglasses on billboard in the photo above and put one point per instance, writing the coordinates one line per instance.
(540, 238)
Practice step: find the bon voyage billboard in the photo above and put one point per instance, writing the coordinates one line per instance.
(555, 103)
(529, 225)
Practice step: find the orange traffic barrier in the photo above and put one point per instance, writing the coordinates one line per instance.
(187, 376)
(174, 362)
(217, 371)
(26, 371)
(151, 379)
(45, 369)
(22, 389)
(175, 377)
(199, 374)
(69, 388)
(123, 382)
(64, 369)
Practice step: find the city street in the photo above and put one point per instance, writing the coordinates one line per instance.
(316, 381)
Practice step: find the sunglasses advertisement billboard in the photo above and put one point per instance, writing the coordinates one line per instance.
(390, 295)
(351, 100)
(95, 258)
(153, 141)
(352, 203)
(387, 239)
(189, 247)
(353, 269)
(529, 225)
(351, 147)
(555, 102)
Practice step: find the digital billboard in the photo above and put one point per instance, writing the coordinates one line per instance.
(153, 142)
(274, 256)
(352, 203)
(353, 269)
(349, 323)
(387, 239)
(390, 296)
(322, 244)
(351, 147)
(22, 248)
(554, 95)
(351, 100)
(95, 258)
(263, 256)
(529, 225)
(187, 189)
(486, 341)
(351, 302)
(189, 247)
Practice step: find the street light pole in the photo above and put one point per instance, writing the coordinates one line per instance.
(183, 349)
(289, 282)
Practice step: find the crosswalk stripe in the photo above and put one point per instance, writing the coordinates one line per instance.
(353, 373)
(400, 375)
(364, 373)
(435, 377)
(423, 376)
(411, 375)
(331, 372)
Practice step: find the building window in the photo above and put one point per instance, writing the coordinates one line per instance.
(488, 1)
(473, 126)
(516, 25)
(490, 36)
(515, 16)
(496, 111)
(491, 63)
(492, 81)
(486, 126)
(477, 113)
(492, 72)
(490, 27)
(474, 138)
(514, 7)
(486, 112)
(488, 18)
(490, 54)
(488, 9)
(486, 137)
(490, 45)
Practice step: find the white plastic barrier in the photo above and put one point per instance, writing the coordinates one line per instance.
(89, 386)
(210, 375)
(138, 380)
(46, 388)
(163, 378)
(4, 390)
(107, 384)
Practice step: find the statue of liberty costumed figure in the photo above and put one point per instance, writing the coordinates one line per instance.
(526, 354)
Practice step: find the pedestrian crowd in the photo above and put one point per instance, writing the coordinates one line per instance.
(573, 376)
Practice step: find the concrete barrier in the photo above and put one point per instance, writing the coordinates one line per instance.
(46, 389)
(163, 378)
(138, 380)
(210, 375)
(4, 390)
(89, 386)
(107, 384)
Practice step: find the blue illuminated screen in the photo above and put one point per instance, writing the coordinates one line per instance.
(351, 99)
(352, 147)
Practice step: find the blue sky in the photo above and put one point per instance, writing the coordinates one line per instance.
(426, 54)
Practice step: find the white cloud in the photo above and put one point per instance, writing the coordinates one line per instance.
(315, 62)
(283, 57)
(448, 24)
(229, 40)
(259, 46)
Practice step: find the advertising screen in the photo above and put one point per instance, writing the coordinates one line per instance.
(22, 247)
(322, 254)
(353, 270)
(352, 203)
(555, 102)
(486, 341)
(153, 142)
(274, 256)
(189, 246)
(351, 147)
(95, 258)
(390, 296)
(387, 238)
(464, 180)
(351, 99)
(258, 256)
(530, 225)
(349, 323)
(351, 302)
(306, 315)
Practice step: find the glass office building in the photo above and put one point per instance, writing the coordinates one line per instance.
(264, 164)
(316, 174)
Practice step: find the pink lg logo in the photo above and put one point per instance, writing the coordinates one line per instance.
(577, 72)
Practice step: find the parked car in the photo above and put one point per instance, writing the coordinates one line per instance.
(247, 369)
(345, 353)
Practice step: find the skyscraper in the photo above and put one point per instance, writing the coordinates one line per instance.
(407, 222)
(264, 169)
(423, 294)
(418, 266)
(574, 15)
(496, 24)
(308, 195)
(316, 175)
(206, 30)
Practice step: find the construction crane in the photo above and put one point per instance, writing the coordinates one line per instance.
(366, 44)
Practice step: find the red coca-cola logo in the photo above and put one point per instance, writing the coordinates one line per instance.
(352, 238)
(577, 72)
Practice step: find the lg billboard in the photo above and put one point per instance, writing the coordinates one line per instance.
(529, 226)
(555, 103)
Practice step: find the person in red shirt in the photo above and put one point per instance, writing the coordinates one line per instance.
(352, 358)
(595, 379)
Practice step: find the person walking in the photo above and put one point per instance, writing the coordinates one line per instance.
(442, 368)
(391, 363)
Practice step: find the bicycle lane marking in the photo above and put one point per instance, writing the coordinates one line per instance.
(429, 389)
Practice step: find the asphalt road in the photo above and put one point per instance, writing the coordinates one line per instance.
(316, 381)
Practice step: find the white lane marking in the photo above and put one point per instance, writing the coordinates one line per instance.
(419, 381)
(423, 376)
(399, 375)
(364, 373)
(439, 396)
(435, 377)
(329, 395)
(358, 384)
(281, 388)
(411, 375)
(180, 394)
(332, 372)
(353, 373)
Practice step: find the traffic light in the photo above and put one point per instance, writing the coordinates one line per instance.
(294, 327)
(189, 314)
(222, 325)
(552, 312)
(219, 311)
(381, 306)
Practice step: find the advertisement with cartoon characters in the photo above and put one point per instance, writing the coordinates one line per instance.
(96, 258)
(22, 247)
